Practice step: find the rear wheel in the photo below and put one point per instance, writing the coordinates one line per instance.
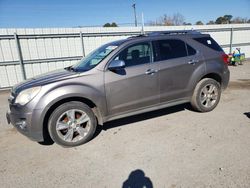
(206, 95)
(72, 124)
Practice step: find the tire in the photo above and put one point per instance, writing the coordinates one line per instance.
(206, 95)
(72, 124)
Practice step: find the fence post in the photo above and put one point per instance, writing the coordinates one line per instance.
(82, 42)
(20, 56)
(231, 40)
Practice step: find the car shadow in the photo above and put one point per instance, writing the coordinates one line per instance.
(137, 179)
(141, 117)
(127, 120)
(247, 114)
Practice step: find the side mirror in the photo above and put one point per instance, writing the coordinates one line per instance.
(116, 65)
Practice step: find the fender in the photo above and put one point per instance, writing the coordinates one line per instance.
(198, 73)
(69, 90)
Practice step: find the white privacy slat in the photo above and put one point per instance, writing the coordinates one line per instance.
(29, 70)
(57, 47)
(25, 49)
(44, 67)
(1, 53)
(36, 69)
(18, 73)
(64, 47)
(41, 47)
(52, 66)
(49, 48)
(4, 80)
(11, 74)
(7, 51)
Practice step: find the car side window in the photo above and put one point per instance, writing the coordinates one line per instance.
(191, 51)
(136, 54)
(169, 49)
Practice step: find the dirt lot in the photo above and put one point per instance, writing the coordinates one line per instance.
(173, 147)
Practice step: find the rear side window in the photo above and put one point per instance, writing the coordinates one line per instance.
(169, 49)
(209, 42)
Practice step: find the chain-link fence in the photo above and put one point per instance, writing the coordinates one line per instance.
(25, 53)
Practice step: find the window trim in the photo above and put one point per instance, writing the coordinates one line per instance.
(187, 44)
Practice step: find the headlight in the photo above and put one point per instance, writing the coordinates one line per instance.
(27, 95)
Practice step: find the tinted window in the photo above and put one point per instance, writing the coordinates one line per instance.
(190, 50)
(209, 42)
(136, 54)
(169, 49)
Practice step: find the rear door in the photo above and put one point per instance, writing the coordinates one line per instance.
(136, 86)
(177, 62)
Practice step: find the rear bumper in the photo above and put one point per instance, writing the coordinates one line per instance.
(25, 124)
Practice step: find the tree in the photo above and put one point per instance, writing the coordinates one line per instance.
(221, 20)
(114, 24)
(178, 19)
(228, 18)
(187, 23)
(239, 20)
(110, 25)
(211, 22)
(199, 23)
(166, 20)
(175, 19)
(106, 25)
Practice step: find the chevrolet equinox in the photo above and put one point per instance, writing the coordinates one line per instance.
(120, 79)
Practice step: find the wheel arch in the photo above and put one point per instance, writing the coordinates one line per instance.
(56, 104)
(214, 76)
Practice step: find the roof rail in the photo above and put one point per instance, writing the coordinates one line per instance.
(135, 36)
(173, 32)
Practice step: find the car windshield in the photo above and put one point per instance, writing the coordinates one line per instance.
(94, 58)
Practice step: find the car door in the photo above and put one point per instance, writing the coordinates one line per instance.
(177, 62)
(136, 86)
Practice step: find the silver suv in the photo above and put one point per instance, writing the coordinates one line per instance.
(120, 79)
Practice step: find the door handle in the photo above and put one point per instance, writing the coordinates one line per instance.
(193, 62)
(151, 71)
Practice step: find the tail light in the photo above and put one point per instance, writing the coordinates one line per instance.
(225, 58)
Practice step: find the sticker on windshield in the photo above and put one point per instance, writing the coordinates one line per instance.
(111, 47)
(209, 42)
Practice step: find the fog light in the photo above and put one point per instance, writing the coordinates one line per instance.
(22, 124)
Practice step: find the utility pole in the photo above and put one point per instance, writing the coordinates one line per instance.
(135, 14)
(142, 24)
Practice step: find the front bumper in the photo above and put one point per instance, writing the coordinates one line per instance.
(26, 124)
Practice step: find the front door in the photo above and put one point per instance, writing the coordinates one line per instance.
(136, 86)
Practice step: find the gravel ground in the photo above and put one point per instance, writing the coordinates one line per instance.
(173, 147)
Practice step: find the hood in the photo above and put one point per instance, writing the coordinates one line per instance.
(44, 79)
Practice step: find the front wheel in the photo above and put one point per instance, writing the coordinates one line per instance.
(206, 95)
(72, 124)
